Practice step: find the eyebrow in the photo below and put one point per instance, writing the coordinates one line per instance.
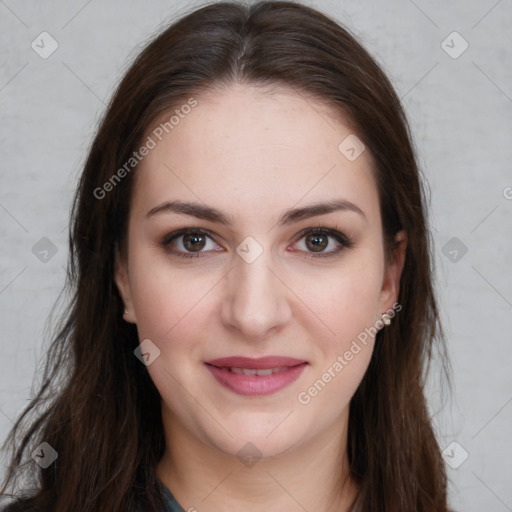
(205, 212)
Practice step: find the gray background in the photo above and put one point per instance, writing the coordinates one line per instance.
(461, 113)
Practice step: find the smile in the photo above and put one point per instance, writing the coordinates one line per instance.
(256, 377)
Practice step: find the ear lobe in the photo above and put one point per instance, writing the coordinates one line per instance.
(393, 272)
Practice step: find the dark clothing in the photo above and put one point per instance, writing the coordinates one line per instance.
(171, 505)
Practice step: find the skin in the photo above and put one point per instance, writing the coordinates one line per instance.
(254, 154)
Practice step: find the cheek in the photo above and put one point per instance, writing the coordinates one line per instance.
(348, 307)
(171, 308)
(353, 308)
(346, 299)
(168, 301)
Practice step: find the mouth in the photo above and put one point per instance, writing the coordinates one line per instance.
(256, 377)
(253, 371)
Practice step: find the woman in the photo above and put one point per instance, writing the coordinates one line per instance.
(253, 308)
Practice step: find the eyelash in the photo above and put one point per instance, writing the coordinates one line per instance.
(344, 241)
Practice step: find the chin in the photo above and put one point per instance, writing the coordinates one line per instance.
(258, 440)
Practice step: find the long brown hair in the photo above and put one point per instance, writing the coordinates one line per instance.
(97, 406)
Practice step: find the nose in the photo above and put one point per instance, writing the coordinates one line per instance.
(256, 303)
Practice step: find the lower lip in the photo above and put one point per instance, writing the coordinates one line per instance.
(256, 385)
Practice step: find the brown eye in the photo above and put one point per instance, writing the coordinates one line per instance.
(190, 243)
(317, 242)
(194, 242)
(322, 242)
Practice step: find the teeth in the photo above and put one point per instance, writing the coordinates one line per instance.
(253, 371)
(266, 371)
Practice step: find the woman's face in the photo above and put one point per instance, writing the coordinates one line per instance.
(251, 176)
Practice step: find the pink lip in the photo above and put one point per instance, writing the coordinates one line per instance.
(256, 385)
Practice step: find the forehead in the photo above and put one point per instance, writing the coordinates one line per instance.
(245, 148)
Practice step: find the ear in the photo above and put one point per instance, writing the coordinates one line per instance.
(393, 272)
(122, 281)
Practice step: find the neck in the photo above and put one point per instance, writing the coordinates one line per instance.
(313, 476)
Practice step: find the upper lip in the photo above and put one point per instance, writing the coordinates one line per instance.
(255, 363)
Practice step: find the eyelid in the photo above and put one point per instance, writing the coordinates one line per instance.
(169, 237)
(332, 232)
